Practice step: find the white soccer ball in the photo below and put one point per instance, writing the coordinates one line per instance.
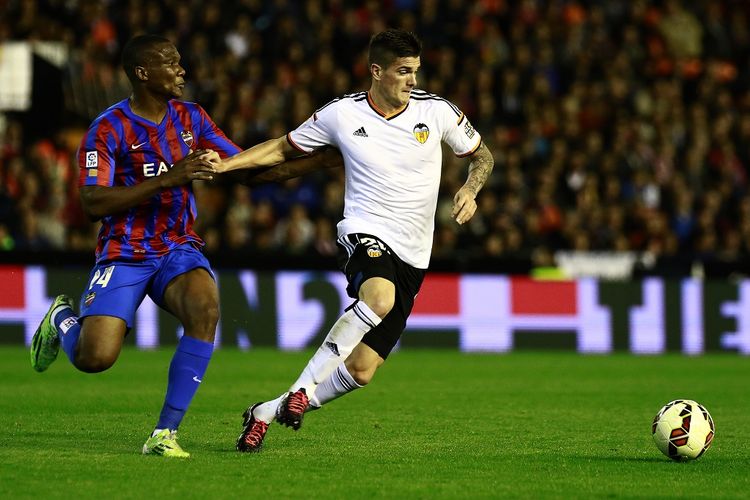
(683, 429)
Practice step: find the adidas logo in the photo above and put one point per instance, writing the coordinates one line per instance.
(332, 346)
(360, 132)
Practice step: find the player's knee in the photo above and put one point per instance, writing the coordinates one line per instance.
(361, 372)
(362, 377)
(381, 304)
(202, 319)
(95, 362)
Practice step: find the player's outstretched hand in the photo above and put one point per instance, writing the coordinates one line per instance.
(212, 157)
(198, 165)
(464, 205)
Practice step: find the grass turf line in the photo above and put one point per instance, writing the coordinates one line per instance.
(433, 424)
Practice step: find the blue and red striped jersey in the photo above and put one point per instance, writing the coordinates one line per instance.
(123, 149)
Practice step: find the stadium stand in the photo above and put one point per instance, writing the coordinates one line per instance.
(615, 126)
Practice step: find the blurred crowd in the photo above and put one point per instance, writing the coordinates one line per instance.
(617, 125)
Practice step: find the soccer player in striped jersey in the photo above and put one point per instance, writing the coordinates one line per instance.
(137, 163)
(390, 138)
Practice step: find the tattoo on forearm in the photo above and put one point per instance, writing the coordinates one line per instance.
(480, 168)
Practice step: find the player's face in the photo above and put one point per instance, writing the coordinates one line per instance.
(399, 79)
(165, 75)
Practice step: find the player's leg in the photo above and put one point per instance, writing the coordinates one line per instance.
(99, 344)
(376, 297)
(290, 406)
(363, 362)
(108, 307)
(376, 300)
(343, 337)
(92, 340)
(360, 367)
(194, 299)
(185, 287)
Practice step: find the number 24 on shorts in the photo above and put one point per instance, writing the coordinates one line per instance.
(102, 278)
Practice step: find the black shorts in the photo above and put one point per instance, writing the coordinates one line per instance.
(361, 257)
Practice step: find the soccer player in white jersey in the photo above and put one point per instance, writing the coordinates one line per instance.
(390, 138)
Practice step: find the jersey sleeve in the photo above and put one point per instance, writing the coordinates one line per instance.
(96, 156)
(212, 137)
(458, 132)
(316, 132)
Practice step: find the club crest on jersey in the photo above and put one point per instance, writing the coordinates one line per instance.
(375, 247)
(421, 132)
(187, 137)
(89, 298)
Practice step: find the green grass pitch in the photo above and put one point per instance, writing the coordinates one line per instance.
(433, 424)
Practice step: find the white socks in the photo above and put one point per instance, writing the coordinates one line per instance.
(344, 336)
(267, 411)
(339, 383)
(326, 367)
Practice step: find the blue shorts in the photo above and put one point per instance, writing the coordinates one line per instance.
(117, 288)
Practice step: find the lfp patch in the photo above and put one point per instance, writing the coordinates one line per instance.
(92, 159)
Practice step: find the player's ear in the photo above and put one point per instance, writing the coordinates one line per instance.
(376, 71)
(141, 73)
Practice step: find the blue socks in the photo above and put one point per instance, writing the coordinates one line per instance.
(186, 371)
(68, 330)
(185, 375)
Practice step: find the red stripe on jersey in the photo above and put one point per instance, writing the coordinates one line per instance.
(104, 166)
(178, 196)
(112, 249)
(136, 235)
(13, 279)
(186, 119)
(543, 297)
(220, 143)
(129, 135)
(438, 295)
(174, 141)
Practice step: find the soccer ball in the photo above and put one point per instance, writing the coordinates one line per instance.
(683, 429)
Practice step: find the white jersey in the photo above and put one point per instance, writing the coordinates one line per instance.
(393, 164)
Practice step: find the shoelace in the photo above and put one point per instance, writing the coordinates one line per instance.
(172, 439)
(297, 402)
(257, 431)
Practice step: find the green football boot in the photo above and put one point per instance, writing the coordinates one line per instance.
(164, 443)
(46, 344)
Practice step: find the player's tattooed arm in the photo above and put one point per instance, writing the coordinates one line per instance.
(480, 168)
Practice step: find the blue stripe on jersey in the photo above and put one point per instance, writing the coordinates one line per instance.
(113, 134)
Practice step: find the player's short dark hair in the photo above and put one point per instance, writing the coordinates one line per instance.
(136, 52)
(388, 45)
